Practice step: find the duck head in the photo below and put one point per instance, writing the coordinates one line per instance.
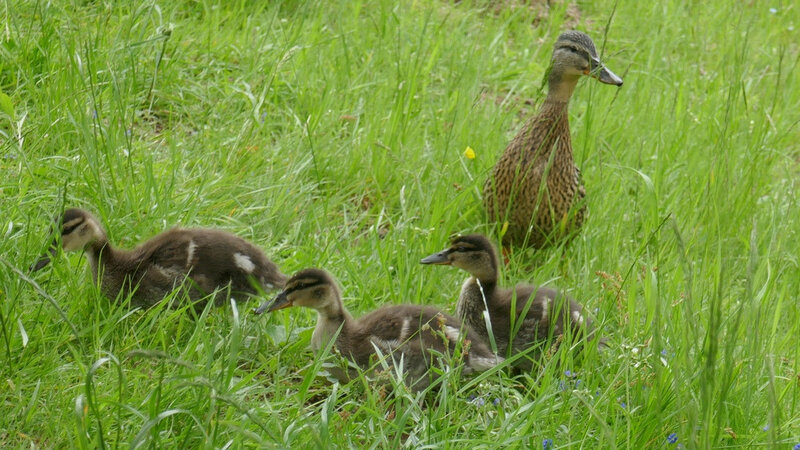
(574, 56)
(77, 229)
(310, 288)
(473, 253)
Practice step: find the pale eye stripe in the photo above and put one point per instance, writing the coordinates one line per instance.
(70, 226)
(304, 283)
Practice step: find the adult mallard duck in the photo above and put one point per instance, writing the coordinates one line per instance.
(202, 260)
(535, 186)
(411, 335)
(522, 317)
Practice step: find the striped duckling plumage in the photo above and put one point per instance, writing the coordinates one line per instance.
(201, 260)
(413, 334)
(535, 186)
(545, 313)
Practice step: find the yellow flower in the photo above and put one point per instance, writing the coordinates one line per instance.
(469, 153)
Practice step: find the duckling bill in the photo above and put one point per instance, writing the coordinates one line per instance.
(201, 260)
(410, 334)
(280, 302)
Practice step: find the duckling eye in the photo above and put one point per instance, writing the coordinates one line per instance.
(69, 229)
(461, 249)
(574, 50)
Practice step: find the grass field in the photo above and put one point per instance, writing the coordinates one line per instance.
(332, 134)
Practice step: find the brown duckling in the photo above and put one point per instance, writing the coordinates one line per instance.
(540, 312)
(201, 260)
(411, 334)
(535, 186)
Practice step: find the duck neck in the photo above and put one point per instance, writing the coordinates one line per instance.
(552, 124)
(100, 252)
(330, 319)
(476, 296)
(560, 87)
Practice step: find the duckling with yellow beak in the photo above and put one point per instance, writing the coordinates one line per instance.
(201, 260)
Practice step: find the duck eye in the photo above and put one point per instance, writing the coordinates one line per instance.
(461, 249)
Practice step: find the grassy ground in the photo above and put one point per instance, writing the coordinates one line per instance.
(332, 134)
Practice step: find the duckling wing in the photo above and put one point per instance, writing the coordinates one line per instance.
(386, 329)
(407, 334)
(418, 333)
(167, 258)
(209, 259)
(223, 258)
(549, 312)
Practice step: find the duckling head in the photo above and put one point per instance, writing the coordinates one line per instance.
(473, 253)
(79, 228)
(310, 288)
(574, 55)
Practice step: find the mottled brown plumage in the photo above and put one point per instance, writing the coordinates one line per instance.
(535, 185)
(412, 334)
(200, 260)
(544, 313)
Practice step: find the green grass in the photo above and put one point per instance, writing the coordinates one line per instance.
(316, 128)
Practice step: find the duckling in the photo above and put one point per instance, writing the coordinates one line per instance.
(543, 312)
(535, 186)
(202, 260)
(411, 334)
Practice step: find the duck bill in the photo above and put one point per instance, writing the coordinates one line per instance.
(45, 258)
(279, 302)
(437, 258)
(603, 75)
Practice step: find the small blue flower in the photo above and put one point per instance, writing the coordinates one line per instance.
(577, 383)
(766, 428)
(672, 438)
(597, 393)
(664, 352)
(496, 401)
(562, 386)
(796, 447)
(263, 117)
(128, 132)
(568, 373)
(623, 405)
(548, 444)
(478, 401)
(773, 10)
